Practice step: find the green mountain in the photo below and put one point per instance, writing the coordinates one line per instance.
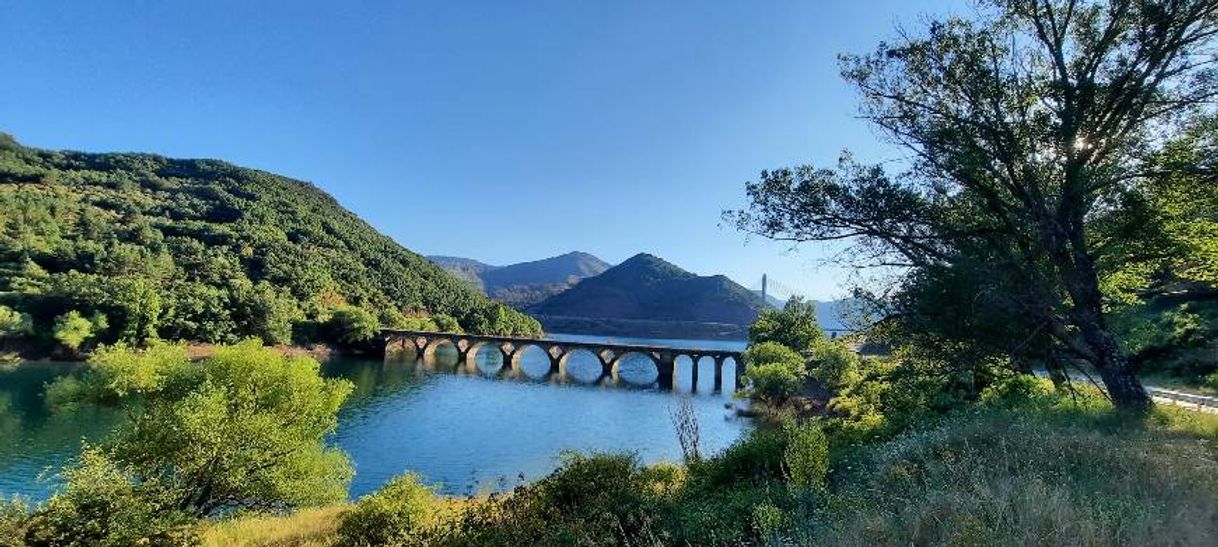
(204, 250)
(525, 283)
(646, 287)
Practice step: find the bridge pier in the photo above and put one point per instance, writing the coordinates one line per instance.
(718, 384)
(666, 365)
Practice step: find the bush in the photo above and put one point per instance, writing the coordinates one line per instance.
(103, 506)
(835, 365)
(591, 500)
(774, 373)
(243, 429)
(404, 512)
(771, 383)
(757, 458)
(773, 352)
(446, 323)
(14, 512)
(72, 330)
(14, 324)
(807, 456)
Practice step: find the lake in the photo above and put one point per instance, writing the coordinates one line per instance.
(466, 429)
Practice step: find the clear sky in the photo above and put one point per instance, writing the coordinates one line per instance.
(501, 131)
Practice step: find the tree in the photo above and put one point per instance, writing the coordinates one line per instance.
(774, 372)
(14, 323)
(1021, 125)
(243, 429)
(72, 329)
(794, 326)
(351, 325)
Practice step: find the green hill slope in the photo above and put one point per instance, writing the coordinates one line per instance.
(646, 287)
(204, 250)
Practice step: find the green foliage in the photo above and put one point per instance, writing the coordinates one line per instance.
(807, 456)
(198, 250)
(774, 373)
(496, 318)
(446, 323)
(1173, 339)
(772, 384)
(756, 459)
(834, 364)
(795, 326)
(352, 326)
(14, 323)
(14, 512)
(244, 428)
(591, 500)
(402, 512)
(105, 505)
(72, 330)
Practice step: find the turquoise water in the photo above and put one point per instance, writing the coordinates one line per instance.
(467, 429)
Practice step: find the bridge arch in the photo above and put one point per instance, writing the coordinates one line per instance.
(638, 368)
(441, 351)
(530, 360)
(486, 357)
(581, 365)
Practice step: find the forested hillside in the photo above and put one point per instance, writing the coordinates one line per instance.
(648, 287)
(138, 246)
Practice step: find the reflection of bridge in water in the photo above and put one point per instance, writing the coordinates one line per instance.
(512, 349)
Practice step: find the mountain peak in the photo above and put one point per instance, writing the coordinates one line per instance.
(646, 286)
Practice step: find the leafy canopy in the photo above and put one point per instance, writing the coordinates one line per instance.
(244, 428)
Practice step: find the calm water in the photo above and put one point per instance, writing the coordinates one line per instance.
(468, 429)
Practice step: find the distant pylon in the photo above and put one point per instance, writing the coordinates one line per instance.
(764, 300)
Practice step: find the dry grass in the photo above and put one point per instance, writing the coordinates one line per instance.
(306, 528)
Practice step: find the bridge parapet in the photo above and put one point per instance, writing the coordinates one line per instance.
(423, 344)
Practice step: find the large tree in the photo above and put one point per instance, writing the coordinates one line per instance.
(1025, 126)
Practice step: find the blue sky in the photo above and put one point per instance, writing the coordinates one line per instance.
(502, 131)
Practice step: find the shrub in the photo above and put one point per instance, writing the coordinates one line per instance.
(101, 505)
(14, 512)
(751, 460)
(72, 330)
(14, 323)
(404, 512)
(835, 365)
(245, 428)
(773, 352)
(771, 383)
(807, 456)
(592, 500)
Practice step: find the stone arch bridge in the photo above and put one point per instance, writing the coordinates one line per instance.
(424, 344)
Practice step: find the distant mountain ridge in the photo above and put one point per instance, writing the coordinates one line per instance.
(525, 283)
(647, 287)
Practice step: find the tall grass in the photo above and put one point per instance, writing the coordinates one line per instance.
(305, 528)
(1028, 478)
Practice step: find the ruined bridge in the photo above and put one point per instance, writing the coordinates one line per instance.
(424, 344)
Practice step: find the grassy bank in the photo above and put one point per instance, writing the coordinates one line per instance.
(1032, 473)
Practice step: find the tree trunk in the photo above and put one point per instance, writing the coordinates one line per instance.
(1083, 283)
(1119, 375)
